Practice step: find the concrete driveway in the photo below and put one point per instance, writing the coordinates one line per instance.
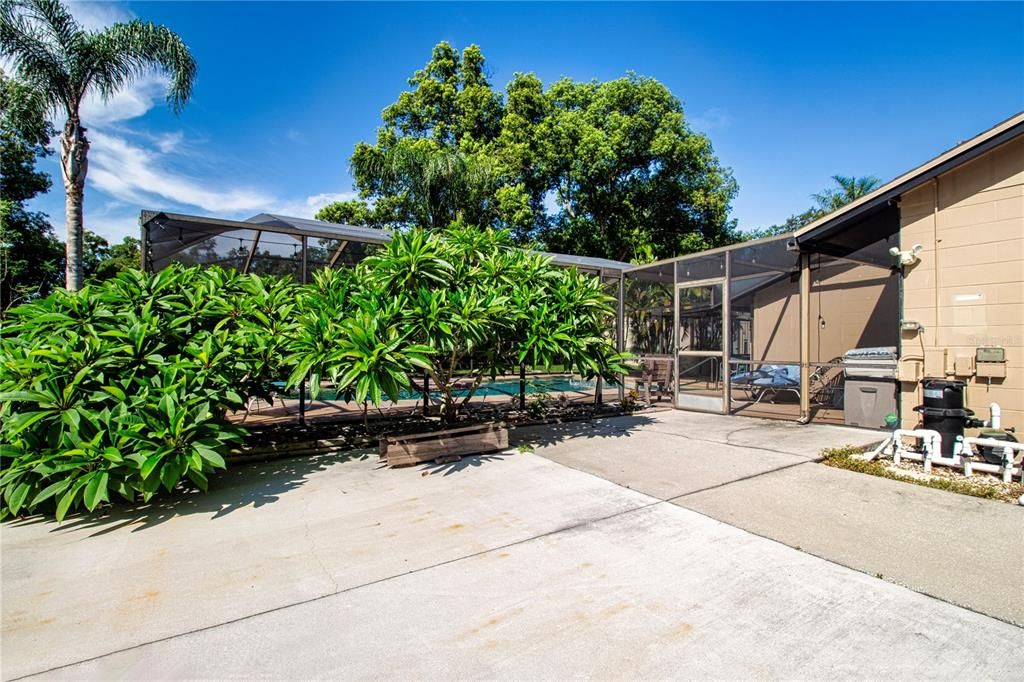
(762, 476)
(510, 566)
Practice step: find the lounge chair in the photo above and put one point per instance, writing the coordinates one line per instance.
(768, 381)
(771, 381)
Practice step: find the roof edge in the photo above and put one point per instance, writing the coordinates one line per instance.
(1002, 132)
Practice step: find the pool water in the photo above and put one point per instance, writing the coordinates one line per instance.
(566, 384)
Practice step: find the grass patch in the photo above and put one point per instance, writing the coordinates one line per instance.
(844, 458)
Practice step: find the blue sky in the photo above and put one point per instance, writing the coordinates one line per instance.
(789, 94)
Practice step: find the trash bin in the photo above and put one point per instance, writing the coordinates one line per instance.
(869, 396)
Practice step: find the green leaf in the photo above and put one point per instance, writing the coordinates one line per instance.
(68, 499)
(199, 478)
(151, 463)
(24, 396)
(96, 490)
(51, 490)
(211, 456)
(21, 421)
(115, 391)
(18, 498)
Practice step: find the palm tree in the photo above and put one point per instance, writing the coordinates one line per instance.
(849, 189)
(53, 54)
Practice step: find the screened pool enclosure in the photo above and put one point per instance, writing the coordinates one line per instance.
(760, 328)
(757, 328)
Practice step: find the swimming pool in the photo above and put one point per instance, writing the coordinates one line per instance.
(503, 387)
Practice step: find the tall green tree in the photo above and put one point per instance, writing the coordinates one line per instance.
(633, 182)
(604, 169)
(429, 165)
(434, 185)
(349, 212)
(30, 254)
(63, 63)
(102, 260)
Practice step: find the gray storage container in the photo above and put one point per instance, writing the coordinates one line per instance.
(867, 401)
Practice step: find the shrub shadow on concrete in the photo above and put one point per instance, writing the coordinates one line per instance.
(545, 435)
(243, 485)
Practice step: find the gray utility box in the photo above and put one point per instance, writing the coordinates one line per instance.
(870, 391)
(867, 401)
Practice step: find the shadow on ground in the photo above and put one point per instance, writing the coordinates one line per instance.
(544, 435)
(259, 484)
(449, 468)
(255, 484)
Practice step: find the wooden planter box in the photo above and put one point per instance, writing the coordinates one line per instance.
(449, 445)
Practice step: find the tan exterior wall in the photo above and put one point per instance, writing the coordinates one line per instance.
(852, 306)
(968, 288)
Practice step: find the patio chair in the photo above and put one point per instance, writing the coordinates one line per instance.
(656, 372)
(828, 383)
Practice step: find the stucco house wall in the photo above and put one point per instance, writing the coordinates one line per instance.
(967, 290)
(852, 306)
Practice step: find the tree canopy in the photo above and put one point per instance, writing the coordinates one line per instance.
(606, 169)
(31, 257)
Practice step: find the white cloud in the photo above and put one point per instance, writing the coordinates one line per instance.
(551, 203)
(308, 207)
(143, 177)
(128, 103)
(169, 142)
(295, 136)
(96, 15)
(132, 173)
(712, 119)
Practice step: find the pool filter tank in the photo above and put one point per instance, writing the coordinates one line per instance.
(943, 411)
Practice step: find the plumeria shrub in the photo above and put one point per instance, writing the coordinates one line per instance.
(461, 305)
(121, 389)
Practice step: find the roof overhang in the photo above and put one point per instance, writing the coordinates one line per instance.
(862, 211)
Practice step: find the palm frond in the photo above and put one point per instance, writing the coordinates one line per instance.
(54, 18)
(28, 42)
(125, 51)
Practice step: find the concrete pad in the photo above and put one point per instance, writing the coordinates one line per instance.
(672, 453)
(764, 435)
(965, 550)
(759, 475)
(265, 537)
(656, 593)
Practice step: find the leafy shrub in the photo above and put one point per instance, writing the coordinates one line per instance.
(445, 303)
(123, 387)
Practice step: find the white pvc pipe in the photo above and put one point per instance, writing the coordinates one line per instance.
(947, 461)
(1008, 449)
(994, 415)
(932, 441)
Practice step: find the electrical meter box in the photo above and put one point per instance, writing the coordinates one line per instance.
(990, 354)
(990, 362)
